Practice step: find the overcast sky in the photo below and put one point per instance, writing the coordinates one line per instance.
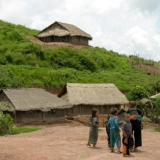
(126, 26)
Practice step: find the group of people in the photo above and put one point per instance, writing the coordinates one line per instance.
(131, 129)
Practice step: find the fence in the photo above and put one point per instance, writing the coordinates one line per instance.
(153, 70)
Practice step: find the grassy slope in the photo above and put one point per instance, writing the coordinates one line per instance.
(23, 63)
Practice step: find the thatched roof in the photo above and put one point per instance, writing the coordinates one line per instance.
(92, 94)
(63, 29)
(34, 99)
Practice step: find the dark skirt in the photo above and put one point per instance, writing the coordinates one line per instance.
(108, 134)
(136, 128)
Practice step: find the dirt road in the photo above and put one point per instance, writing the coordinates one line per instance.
(69, 143)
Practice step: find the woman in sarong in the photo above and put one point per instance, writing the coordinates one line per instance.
(94, 124)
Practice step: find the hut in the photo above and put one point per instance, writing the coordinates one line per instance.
(63, 32)
(85, 97)
(33, 105)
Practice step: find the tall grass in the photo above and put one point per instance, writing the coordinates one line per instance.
(19, 130)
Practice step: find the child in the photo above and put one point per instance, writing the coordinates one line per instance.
(127, 134)
(114, 130)
(93, 133)
(107, 131)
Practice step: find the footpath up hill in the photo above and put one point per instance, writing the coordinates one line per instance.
(26, 64)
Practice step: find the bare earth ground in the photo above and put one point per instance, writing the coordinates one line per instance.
(68, 142)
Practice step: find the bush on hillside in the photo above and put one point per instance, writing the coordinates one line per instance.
(14, 36)
(156, 87)
(137, 93)
(3, 60)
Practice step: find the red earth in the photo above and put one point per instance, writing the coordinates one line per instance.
(68, 142)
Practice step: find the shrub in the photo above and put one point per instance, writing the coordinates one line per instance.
(3, 60)
(14, 36)
(138, 92)
(6, 124)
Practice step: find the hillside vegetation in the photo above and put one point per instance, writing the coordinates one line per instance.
(25, 64)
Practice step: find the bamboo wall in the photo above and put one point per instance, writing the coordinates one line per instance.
(39, 116)
(69, 39)
(87, 109)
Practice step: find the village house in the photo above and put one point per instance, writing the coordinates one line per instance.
(33, 105)
(63, 32)
(85, 97)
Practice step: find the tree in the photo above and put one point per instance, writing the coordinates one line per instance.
(138, 92)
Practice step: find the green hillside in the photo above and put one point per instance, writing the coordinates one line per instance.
(25, 64)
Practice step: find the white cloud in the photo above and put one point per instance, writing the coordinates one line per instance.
(137, 35)
(124, 26)
(157, 39)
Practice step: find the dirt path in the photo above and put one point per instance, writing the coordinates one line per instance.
(69, 143)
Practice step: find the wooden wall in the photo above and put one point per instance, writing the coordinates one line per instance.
(28, 116)
(74, 39)
(39, 116)
(79, 39)
(87, 109)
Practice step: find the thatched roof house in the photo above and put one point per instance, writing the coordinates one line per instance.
(35, 101)
(94, 95)
(63, 32)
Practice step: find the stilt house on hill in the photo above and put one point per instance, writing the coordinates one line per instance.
(63, 32)
(85, 97)
(33, 105)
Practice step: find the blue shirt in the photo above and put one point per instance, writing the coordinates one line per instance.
(113, 123)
